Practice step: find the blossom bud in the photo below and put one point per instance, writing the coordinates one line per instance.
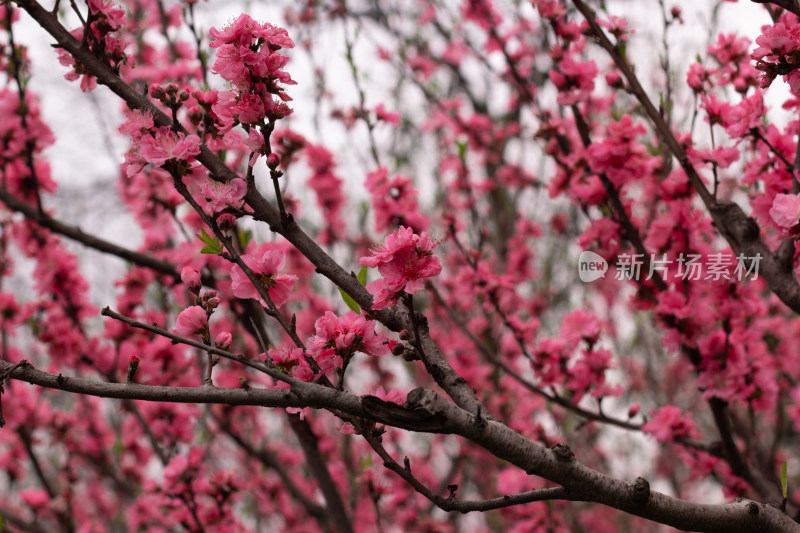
(226, 221)
(183, 96)
(133, 365)
(613, 80)
(158, 92)
(191, 278)
(211, 304)
(273, 160)
(209, 294)
(223, 340)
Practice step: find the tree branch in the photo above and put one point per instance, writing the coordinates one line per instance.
(741, 231)
(395, 319)
(426, 411)
(76, 234)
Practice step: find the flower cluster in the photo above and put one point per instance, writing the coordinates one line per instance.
(291, 361)
(248, 57)
(395, 201)
(405, 261)
(668, 423)
(104, 18)
(778, 52)
(214, 196)
(328, 187)
(339, 337)
(265, 267)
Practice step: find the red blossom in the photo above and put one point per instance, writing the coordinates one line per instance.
(405, 261)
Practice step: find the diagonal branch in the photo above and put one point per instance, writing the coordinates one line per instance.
(76, 234)
(452, 503)
(395, 319)
(269, 460)
(741, 231)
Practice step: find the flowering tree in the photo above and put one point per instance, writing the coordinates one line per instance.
(304, 341)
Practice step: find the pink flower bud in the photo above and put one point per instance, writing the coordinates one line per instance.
(223, 340)
(273, 160)
(191, 278)
(226, 221)
(156, 91)
(211, 304)
(190, 321)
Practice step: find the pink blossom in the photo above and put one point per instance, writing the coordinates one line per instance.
(776, 40)
(214, 196)
(405, 261)
(393, 396)
(137, 124)
(167, 145)
(219, 195)
(88, 82)
(348, 429)
(240, 32)
(35, 498)
(697, 78)
(328, 188)
(110, 13)
(387, 116)
(394, 201)
(342, 336)
(785, 211)
(223, 340)
(247, 50)
(266, 268)
(721, 156)
(746, 116)
(668, 423)
(291, 361)
(617, 26)
(191, 278)
(190, 321)
(573, 79)
(580, 325)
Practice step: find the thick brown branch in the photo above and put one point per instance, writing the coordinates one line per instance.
(427, 411)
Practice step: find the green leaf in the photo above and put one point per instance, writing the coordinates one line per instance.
(212, 244)
(462, 150)
(784, 481)
(349, 301)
